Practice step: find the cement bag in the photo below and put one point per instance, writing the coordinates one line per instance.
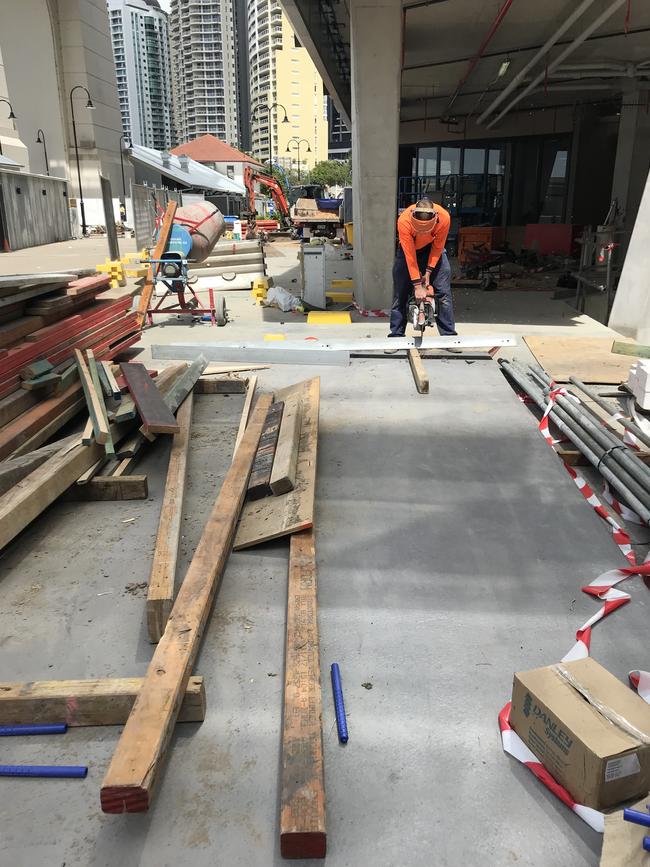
(276, 296)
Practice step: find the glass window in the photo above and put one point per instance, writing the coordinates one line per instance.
(474, 163)
(449, 161)
(428, 162)
(496, 162)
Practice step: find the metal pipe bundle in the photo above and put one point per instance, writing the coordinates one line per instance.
(616, 463)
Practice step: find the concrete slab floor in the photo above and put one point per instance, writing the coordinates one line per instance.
(451, 546)
(78, 253)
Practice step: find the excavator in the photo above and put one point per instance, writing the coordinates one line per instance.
(306, 213)
(255, 226)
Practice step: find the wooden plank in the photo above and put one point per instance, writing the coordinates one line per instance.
(420, 375)
(259, 483)
(16, 468)
(92, 472)
(273, 517)
(127, 408)
(248, 403)
(136, 766)
(87, 436)
(32, 422)
(25, 295)
(588, 358)
(114, 389)
(103, 702)
(154, 412)
(283, 473)
(10, 283)
(11, 332)
(97, 282)
(109, 488)
(43, 384)
(44, 433)
(302, 809)
(159, 249)
(94, 375)
(637, 350)
(37, 368)
(215, 369)
(160, 595)
(227, 385)
(166, 380)
(180, 389)
(95, 408)
(14, 404)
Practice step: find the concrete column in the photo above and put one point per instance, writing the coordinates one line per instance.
(376, 39)
(632, 156)
(631, 187)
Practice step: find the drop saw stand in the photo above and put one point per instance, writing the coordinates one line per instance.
(172, 270)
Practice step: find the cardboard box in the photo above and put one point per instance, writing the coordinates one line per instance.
(587, 728)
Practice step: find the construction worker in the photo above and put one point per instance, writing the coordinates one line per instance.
(421, 266)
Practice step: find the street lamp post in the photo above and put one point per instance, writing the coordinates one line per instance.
(89, 104)
(124, 139)
(40, 139)
(268, 109)
(12, 116)
(297, 143)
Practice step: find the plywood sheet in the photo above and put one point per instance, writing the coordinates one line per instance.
(588, 358)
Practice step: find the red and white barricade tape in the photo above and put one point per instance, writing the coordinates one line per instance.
(602, 588)
(620, 508)
(640, 680)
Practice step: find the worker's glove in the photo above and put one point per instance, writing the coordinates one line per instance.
(419, 290)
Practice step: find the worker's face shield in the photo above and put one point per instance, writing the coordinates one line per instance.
(423, 221)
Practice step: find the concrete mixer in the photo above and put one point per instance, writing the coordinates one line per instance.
(195, 231)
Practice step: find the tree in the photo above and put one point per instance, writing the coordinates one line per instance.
(331, 173)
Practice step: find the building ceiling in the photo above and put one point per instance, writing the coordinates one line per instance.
(442, 37)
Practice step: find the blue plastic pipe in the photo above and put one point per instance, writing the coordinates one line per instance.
(646, 844)
(68, 771)
(339, 706)
(44, 729)
(637, 817)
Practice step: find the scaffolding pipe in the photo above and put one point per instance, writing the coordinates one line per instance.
(607, 440)
(577, 42)
(604, 404)
(525, 382)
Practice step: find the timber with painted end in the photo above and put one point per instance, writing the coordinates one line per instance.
(259, 485)
(636, 350)
(154, 412)
(272, 517)
(160, 596)
(285, 462)
(302, 810)
(180, 389)
(419, 373)
(32, 422)
(106, 702)
(95, 407)
(137, 763)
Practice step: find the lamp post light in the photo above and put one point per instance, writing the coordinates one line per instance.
(268, 109)
(40, 139)
(297, 143)
(89, 104)
(126, 140)
(12, 116)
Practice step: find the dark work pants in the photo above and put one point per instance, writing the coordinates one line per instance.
(403, 290)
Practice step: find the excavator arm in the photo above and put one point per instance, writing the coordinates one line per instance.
(252, 177)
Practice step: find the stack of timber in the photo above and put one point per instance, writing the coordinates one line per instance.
(44, 320)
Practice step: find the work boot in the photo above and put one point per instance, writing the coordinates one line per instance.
(393, 351)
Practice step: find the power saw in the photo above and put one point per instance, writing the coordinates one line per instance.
(422, 313)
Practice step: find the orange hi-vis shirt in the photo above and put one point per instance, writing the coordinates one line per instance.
(411, 242)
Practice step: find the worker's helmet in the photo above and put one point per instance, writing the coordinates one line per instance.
(423, 217)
